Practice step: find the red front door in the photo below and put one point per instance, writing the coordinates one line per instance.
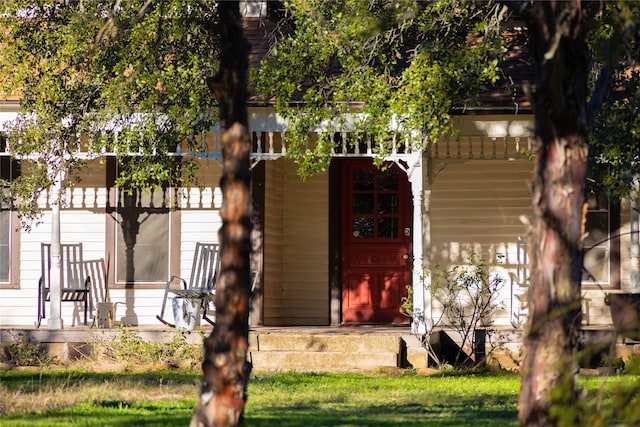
(376, 242)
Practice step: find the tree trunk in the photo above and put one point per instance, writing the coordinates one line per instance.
(557, 35)
(225, 367)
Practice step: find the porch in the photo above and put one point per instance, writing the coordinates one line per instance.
(318, 348)
(293, 291)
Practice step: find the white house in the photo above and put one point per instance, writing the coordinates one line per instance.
(339, 248)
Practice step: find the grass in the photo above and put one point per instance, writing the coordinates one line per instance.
(382, 400)
(166, 398)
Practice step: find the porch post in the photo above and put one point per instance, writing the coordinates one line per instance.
(421, 194)
(55, 319)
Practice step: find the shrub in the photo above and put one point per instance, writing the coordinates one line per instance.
(469, 299)
(24, 352)
(129, 348)
(468, 296)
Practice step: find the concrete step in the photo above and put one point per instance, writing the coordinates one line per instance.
(322, 361)
(282, 351)
(325, 342)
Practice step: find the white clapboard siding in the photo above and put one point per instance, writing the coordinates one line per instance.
(138, 307)
(476, 208)
(273, 242)
(305, 249)
(296, 247)
(19, 306)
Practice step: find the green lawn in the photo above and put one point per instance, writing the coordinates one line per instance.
(409, 400)
(165, 398)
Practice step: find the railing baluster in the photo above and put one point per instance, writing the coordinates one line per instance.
(259, 142)
(270, 135)
(356, 144)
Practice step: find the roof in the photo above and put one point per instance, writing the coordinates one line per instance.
(516, 72)
(258, 32)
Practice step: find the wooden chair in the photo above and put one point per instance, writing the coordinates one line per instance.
(202, 282)
(75, 284)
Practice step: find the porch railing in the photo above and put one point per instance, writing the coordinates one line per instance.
(271, 145)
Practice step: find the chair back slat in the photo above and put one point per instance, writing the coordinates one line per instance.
(75, 284)
(73, 274)
(206, 261)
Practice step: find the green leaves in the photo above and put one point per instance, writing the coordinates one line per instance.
(394, 66)
(615, 139)
(107, 77)
(614, 155)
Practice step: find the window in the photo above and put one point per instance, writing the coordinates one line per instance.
(5, 243)
(142, 242)
(374, 210)
(143, 235)
(9, 234)
(601, 263)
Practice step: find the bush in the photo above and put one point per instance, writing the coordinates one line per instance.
(468, 296)
(24, 352)
(129, 348)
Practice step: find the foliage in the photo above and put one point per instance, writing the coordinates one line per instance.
(24, 352)
(378, 68)
(129, 348)
(96, 77)
(615, 131)
(468, 296)
(406, 303)
(615, 143)
(605, 401)
(632, 365)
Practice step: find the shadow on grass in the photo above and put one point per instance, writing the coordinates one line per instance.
(107, 413)
(285, 400)
(25, 380)
(384, 416)
(116, 415)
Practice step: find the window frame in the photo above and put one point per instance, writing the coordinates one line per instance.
(14, 221)
(111, 236)
(612, 244)
(14, 253)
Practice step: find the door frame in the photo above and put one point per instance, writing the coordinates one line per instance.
(335, 234)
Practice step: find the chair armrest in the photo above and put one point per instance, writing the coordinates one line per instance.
(42, 284)
(184, 282)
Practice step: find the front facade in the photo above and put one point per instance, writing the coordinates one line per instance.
(339, 248)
